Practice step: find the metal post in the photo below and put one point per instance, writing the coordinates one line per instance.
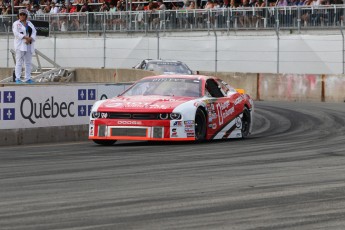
(278, 51)
(342, 34)
(87, 23)
(8, 45)
(157, 43)
(299, 20)
(104, 43)
(215, 52)
(54, 46)
(12, 8)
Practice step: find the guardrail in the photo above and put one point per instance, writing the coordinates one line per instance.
(226, 19)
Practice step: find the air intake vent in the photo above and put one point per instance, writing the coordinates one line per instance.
(102, 130)
(119, 115)
(130, 132)
(157, 132)
(137, 116)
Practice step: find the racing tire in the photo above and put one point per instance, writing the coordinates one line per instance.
(200, 125)
(105, 142)
(246, 122)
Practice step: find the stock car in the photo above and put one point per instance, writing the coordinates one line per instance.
(173, 108)
(165, 66)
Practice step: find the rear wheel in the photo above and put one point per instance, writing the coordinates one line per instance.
(105, 142)
(246, 121)
(200, 125)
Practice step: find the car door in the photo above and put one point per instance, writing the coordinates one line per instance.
(220, 109)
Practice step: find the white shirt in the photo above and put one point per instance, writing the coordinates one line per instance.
(54, 10)
(19, 31)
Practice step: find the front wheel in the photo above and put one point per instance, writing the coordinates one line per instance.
(105, 142)
(246, 121)
(200, 125)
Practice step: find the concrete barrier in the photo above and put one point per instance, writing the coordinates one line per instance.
(290, 87)
(5, 73)
(43, 135)
(334, 90)
(110, 75)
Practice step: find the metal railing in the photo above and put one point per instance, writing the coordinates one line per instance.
(292, 17)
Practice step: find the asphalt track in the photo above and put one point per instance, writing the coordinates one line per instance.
(289, 174)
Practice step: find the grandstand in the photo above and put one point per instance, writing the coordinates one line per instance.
(221, 19)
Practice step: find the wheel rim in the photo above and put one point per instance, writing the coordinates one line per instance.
(199, 127)
(245, 123)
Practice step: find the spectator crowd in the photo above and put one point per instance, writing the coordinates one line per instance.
(111, 6)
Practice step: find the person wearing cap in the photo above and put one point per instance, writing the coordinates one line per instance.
(24, 44)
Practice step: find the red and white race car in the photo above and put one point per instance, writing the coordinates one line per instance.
(173, 108)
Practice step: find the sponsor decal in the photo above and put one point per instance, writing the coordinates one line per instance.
(9, 114)
(224, 105)
(177, 123)
(189, 126)
(91, 133)
(190, 122)
(92, 122)
(49, 109)
(136, 105)
(214, 126)
(129, 122)
(174, 132)
(114, 105)
(9, 96)
(228, 112)
(104, 115)
(238, 122)
(238, 100)
(189, 130)
(190, 134)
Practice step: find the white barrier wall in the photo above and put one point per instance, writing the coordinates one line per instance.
(49, 106)
(255, 52)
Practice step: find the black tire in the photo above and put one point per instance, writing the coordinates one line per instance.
(200, 125)
(105, 142)
(246, 121)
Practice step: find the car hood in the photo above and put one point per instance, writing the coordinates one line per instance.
(141, 103)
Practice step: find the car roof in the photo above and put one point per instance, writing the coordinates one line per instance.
(197, 77)
(162, 60)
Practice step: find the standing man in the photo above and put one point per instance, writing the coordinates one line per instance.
(24, 39)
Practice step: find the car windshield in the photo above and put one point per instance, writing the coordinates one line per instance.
(166, 87)
(168, 67)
